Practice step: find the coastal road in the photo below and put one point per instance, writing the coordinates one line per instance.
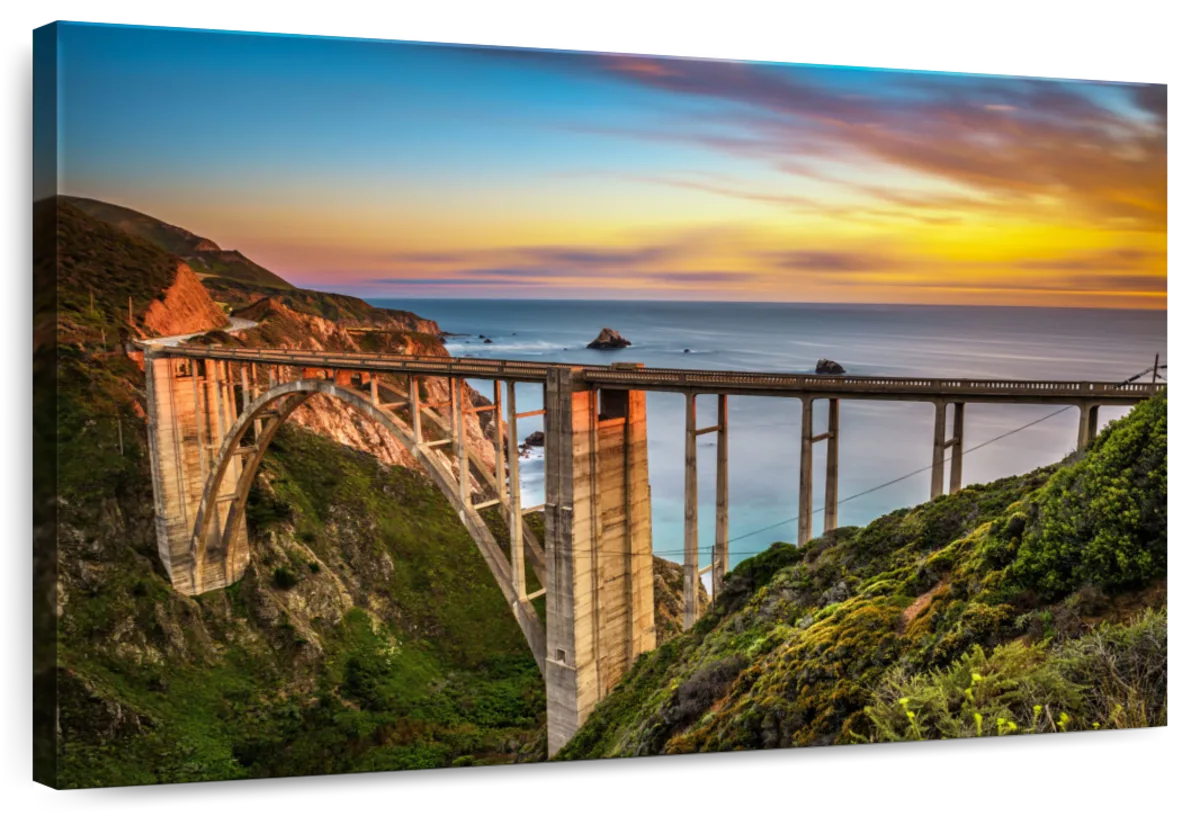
(236, 324)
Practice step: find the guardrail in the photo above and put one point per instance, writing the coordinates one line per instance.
(684, 379)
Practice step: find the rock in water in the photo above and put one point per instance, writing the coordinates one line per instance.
(609, 339)
(829, 367)
(537, 439)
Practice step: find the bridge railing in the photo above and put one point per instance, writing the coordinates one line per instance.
(681, 378)
(692, 378)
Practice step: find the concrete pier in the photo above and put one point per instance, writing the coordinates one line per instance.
(600, 594)
(691, 513)
(516, 527)
(831, 467)
(804, 532)
(956, 448)
(1089, 424)
(190, 408)
(721, 544)
(938, 472)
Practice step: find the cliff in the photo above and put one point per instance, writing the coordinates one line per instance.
(103, 274)
(182, 308)
(281, 326)
(350, 312)
(1033, 604)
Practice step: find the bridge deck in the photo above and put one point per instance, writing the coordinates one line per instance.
(701, 381)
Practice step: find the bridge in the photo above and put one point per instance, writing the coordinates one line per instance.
(213, 412)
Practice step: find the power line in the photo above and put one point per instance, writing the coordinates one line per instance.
(929, 467)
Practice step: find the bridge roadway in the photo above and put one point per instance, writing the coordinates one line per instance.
(745, 383)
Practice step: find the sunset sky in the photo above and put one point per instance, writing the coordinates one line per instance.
(399, 170)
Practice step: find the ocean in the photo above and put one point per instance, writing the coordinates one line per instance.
(880, 441)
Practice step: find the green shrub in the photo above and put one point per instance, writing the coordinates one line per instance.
(284, 578)
(1103, 520)
(1113, 677)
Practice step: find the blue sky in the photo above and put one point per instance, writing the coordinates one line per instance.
(399, 169)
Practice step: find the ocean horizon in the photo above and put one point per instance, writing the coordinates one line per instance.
(880, 441)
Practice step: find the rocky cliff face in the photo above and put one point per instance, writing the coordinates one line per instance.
(668, 599)
(182, 308)
(280, 326)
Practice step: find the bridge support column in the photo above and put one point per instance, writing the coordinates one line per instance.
(459, 418)
(516, 525)
(599, 564)
(804, 533)
(831, 467)
(956, 448)
(414, 402)
(938, 485)
(721, 546)
(186, 407)
(1089, 424)
(691, 501)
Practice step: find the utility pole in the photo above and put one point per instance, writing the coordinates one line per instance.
(1154, 377)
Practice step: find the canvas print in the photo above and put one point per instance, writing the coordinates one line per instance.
(405, 405)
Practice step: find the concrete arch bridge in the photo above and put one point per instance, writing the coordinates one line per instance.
(214, 411)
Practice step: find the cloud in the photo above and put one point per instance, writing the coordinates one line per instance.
(1092, 284)
(833, 261)
(688, 277)
(574, 277)
(1109, 259)
(589, 257)
(1020, 140)
(450, 281)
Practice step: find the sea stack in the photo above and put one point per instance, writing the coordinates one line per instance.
(829, 367)
(609, 339)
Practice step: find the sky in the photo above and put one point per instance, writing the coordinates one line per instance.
(400, 170)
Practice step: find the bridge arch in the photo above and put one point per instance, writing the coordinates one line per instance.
(268, 412)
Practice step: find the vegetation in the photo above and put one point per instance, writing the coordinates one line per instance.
(367, 633)
(205, 257)
(1035, 603)
(1113, 677)
(101, 271)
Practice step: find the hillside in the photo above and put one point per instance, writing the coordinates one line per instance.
(103, 274)
(349, 311)
(204, 256)
(1035, 603)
